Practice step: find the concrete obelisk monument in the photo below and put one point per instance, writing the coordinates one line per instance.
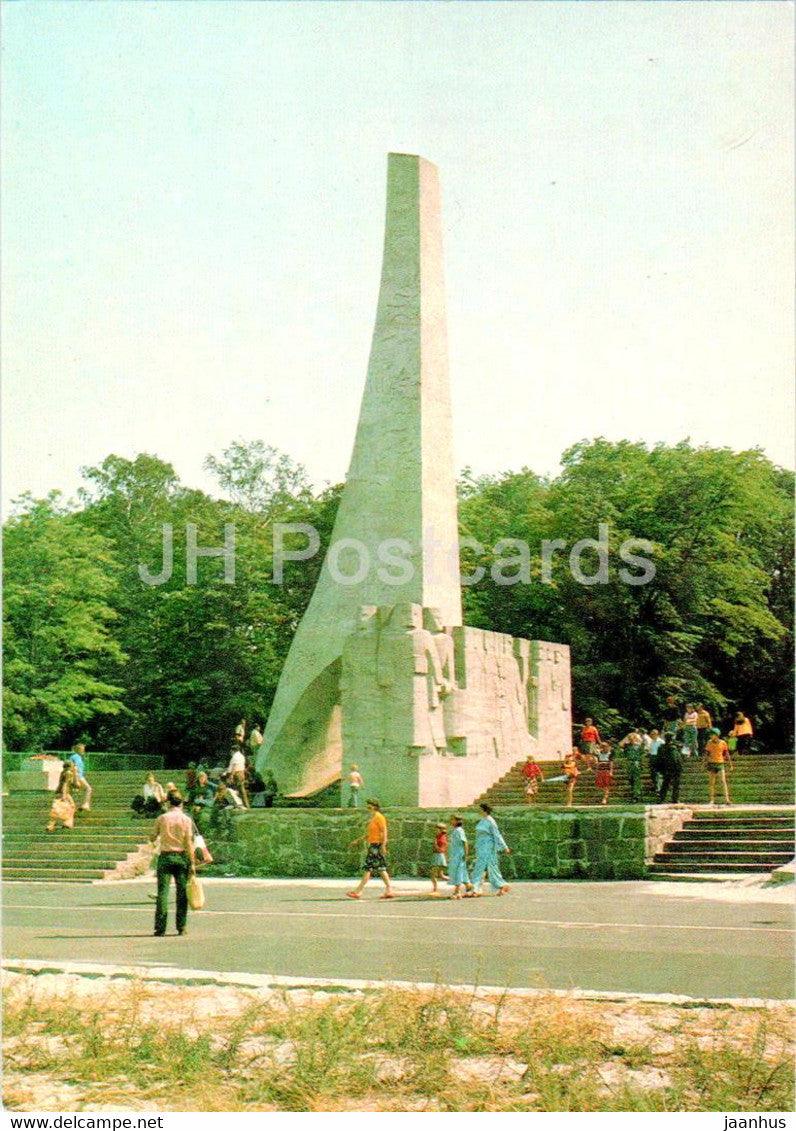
(381, 671)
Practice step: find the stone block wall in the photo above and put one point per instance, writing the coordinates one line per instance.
(550, 844)
(663, 821)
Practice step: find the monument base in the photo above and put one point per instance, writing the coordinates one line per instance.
(435, 716)
(552, 843)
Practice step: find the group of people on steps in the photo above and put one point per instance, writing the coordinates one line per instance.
(686, 732)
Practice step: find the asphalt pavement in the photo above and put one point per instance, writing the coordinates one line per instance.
(613, 937)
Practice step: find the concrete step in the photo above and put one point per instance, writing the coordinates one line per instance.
(690, 779)
(60, 847)
(69, 848)
(101, 838)
(58, 875)
(675, 870)
(93, 820)
(750, 833)
(739, 818)
(772, 859)
(134, 778)
(740, 828)
(35, 802)
(94, 860)
(79, 841)
(658, 872)
(744, 811)
(725, 841)
(768, 778)
(75, 836)
(706, 846)
(111, 804)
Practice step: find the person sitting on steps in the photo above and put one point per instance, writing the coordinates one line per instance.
(152, 798)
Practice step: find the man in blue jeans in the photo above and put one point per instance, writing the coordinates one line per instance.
(174, 830)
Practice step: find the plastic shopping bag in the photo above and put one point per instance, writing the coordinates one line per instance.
(196, 895)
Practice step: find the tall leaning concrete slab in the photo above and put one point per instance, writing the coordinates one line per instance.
(400, 493)
(382, 672)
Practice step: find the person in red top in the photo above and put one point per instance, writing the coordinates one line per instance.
(533, 778)
(589, 738)
(439, 861)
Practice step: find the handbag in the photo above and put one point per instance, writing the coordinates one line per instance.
(62, 809)
(200, 845)
(196, 895)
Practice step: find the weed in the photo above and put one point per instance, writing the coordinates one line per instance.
(392, 1049)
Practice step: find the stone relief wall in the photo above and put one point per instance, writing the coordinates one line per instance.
(551, 720)
(435, 716)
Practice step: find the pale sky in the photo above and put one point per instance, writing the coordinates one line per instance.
(193, 211)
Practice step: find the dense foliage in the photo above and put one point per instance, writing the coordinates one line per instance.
(715, 623)
(95, 651)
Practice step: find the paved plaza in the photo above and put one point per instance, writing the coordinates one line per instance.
(702, 941)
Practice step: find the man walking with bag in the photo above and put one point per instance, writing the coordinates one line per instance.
(174, 830)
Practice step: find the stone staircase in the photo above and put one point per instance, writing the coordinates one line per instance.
(107, 842)
(758, 779)
(728, 840)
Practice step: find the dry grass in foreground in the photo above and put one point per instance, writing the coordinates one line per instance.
(78, 1044)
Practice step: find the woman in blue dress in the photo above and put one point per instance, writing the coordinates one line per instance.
(488, 842)
(457, 859)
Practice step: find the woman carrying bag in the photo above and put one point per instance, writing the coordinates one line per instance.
(63, 806)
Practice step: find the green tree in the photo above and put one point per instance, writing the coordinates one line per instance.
(202, 651)
(715, 622)
(188, 640)
(58, 625)
(168, 667)
(259, 478)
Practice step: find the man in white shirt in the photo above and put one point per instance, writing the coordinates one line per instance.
(237, 773)
(656, 772)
